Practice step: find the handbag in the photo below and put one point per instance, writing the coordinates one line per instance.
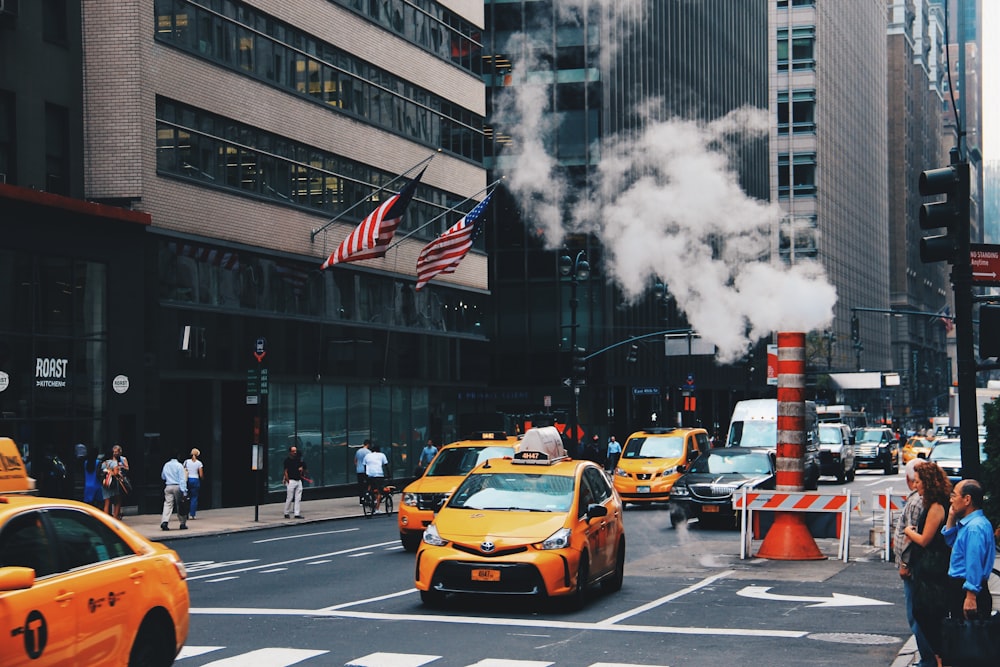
(124, 482)
(971, 642)
(109, 479)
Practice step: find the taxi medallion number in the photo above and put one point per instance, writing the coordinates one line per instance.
(486, 575)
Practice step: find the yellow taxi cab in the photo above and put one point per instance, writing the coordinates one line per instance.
(536, 525)
(78, 587)
(918, 446)
(647, 468)
(445, 472)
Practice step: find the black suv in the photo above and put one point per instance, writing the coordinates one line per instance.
(876, 447)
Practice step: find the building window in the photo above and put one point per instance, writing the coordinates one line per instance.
(798, 43)
(7, 137)
(55, 22)
(241, 38)
(799, 114)
(783, 4)
(797, 175)
(56, 149)
(797, 238)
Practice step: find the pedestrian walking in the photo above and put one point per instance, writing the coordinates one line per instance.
(92, 477)
(359, 467)
(174, 492)
(195, 469)
(295, 468)
(114, 468)
(613, 452)
(427, 455)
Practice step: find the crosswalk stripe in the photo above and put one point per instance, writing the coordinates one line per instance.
(267, 657)
(194, 651)
(492, 662)
(392, 660)
(621, 664)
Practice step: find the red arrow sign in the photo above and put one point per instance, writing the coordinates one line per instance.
(985, 264)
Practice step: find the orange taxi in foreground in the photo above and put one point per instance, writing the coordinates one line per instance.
(78, 587)
(531, 525)
(647, 468)
(449, 467)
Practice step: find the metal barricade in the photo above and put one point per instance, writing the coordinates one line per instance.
(792, 501)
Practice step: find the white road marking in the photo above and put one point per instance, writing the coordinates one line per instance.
(546, 624)
(276, 569)
(392, 660)
(388, 596)
(320, 562)
(666, 598)
(838, 599)
(194, 651)
(296, 537)
(298, 560)
(267, 657)
(363, 553)
(220, 579)
(200, 565)
(493, 662)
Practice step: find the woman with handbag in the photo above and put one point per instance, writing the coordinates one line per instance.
(929, 567)
(115, 482)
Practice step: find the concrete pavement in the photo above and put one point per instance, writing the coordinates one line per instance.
(271, 515)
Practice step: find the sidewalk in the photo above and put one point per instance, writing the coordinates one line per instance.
(237, 519)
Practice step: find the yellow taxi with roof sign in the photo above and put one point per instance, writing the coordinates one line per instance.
(536, 524)
(78, 587)
(445, 472)
(649, 462)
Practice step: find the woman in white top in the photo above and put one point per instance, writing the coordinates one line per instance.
(195, 469)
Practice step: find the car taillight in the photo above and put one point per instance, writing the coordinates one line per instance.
(181, 570)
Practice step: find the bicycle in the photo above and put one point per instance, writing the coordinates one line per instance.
(376, 496)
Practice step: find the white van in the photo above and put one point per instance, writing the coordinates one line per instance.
(755, 424)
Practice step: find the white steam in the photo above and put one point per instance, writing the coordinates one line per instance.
(666, 205)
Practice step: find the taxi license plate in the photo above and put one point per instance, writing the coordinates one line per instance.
(710, 508)
(643, 489)
(486, 575)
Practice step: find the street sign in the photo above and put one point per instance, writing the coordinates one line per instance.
(645, 391)
(985, 263)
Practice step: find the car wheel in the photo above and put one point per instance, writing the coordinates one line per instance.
(842, 474)
(850, 473)
(613, 584)
(812, 483)
(155, 644)
(578, 598)
(888, 465)
(411, 541)
(432, 598)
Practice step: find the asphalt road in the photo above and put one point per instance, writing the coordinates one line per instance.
(341, 593)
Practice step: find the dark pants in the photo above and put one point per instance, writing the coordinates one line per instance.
(362, 484)
(956, 600)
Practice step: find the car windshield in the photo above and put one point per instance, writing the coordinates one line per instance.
(669, 447)
(718, 462)
(869, 436)
(830, 436)
(951, 450)
(460, 460)
(530, 492)
(757, 433)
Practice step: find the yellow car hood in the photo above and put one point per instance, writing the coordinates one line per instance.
(442, 484)
(648, 465)
(501, 527)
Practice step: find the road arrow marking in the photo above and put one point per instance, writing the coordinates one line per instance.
(838, 599)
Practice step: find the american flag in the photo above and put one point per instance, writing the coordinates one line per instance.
(372, 237)
(946, 319)
(443, 254)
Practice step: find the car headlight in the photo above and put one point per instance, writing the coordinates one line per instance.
(557, 540)
(668, 471)
(410, 499)
(620, 472)
(432, 537)
(679, 491)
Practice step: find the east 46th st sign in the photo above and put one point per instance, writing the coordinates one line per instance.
(985, 264)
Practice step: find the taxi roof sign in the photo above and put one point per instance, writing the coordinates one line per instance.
(13, 473)
(536, 458)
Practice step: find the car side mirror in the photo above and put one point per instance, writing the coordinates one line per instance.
(681, 468)
(16, 578)
(595, 510)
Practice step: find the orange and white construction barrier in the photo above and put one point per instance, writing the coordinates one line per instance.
(790, 502)
(789, 538)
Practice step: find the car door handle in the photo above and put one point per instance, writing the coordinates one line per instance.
(137, 574)
(65, 597)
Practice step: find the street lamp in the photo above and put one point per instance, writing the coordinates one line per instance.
(576, 269)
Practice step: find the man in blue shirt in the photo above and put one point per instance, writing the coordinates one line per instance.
(969, 534)
(427, 455)
(175, 477)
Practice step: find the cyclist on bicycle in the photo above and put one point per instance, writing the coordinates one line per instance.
(375, 470)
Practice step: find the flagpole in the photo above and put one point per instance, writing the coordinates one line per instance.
(314, 233)
(444, 213)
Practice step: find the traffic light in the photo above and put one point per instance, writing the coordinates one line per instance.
(952, 213)
(579, 363)
(633, 354)
(855, 329)
(989, 331)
